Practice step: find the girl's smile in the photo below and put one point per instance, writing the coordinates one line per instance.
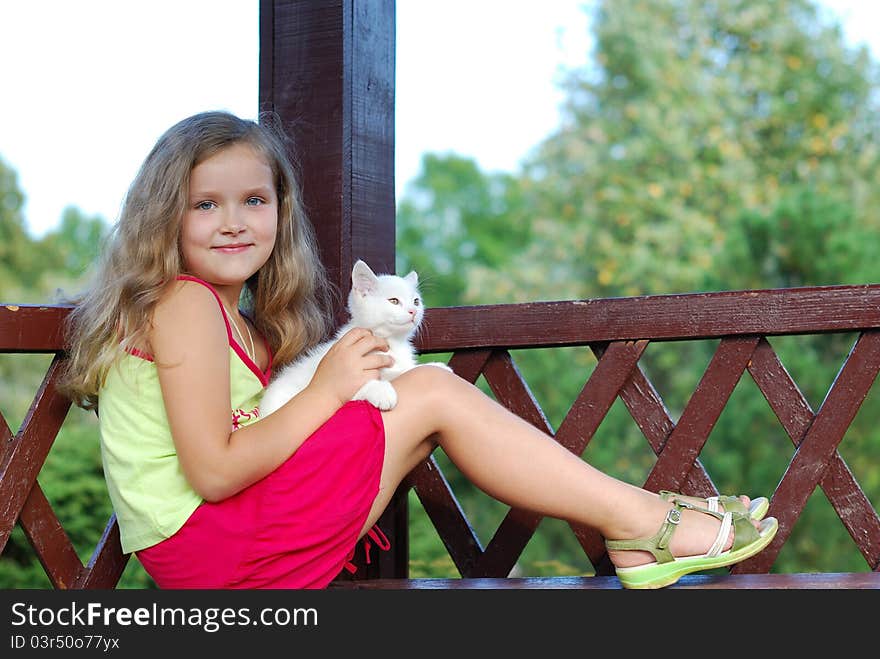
(233, 249)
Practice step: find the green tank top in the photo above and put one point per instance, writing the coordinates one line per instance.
(150, 495)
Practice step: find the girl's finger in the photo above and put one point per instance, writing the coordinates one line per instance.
(378, 361)
(354, 335)
(382, 346)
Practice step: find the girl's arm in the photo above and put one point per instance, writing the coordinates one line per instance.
(190, 347)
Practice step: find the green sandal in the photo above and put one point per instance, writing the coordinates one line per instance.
(756, 510)
(667, 569)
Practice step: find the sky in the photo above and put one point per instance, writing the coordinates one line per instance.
(88, 86)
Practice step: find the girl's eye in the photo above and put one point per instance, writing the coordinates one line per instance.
(205, 205)
(254, 201)
(393, 300)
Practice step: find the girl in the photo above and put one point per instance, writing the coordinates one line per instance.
(206, 493)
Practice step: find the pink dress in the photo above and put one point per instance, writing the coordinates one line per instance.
(295, 528)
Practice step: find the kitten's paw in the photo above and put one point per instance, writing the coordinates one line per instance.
(379, 393)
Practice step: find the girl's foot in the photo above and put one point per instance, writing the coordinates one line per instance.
(689, 539)
(756, 508)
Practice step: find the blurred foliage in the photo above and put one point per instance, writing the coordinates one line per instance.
(34, 271)
(715, 145)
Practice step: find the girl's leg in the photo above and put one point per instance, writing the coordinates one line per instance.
(517, 464)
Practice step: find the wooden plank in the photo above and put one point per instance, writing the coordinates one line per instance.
(600, 391)
(31, 328)
(814, 453)
(107, 563)
(369, 83)
(651, 416)
(327, 69)
(512, 391)
(518, 526)
(840, 486)
(48, 537)
(661, 317)
(446, 515)
(24, 459)
(608, 378)
(832, 581)
(680, 452)
(27, 328)
(468, 364)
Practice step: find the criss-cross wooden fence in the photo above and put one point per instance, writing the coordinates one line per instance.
(480, 339)
(618, 332)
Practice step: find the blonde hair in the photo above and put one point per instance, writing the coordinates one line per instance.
(288, 297)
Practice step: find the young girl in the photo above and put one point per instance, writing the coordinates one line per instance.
(206, 493)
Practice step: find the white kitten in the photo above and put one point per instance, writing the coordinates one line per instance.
(388, 305)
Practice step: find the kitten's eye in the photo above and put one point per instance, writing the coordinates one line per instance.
(393, 300)
(417, 302)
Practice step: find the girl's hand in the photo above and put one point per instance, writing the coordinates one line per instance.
(355, 359)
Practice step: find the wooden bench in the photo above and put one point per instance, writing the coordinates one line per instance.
(803, 581)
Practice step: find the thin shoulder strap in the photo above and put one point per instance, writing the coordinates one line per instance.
(216, 297)
(239, 350)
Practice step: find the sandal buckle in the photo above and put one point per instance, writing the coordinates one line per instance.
(673, 516)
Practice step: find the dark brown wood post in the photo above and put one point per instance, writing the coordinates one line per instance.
(327, 69)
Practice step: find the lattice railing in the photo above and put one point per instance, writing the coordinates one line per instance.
(32, 329)
(618, 332)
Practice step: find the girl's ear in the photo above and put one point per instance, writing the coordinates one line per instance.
(363, 280)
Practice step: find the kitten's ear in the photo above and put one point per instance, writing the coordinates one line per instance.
(412, 278)
(363, 279)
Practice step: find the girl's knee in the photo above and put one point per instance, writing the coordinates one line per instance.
(427, 391)
(428, 378)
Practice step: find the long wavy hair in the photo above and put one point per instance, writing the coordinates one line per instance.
(288, 298)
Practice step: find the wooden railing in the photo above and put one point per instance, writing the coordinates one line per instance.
(38, 329)
(480, 339)
(618, 332)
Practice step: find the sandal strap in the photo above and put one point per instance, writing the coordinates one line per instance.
(730, 502)
(657, 544)
(712, 504)
(744, 531)
(723, 534)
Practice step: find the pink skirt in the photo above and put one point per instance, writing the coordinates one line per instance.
(296, 528)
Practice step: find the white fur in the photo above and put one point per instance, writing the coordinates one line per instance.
(371, 305)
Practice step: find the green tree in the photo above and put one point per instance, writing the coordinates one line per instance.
(70, 252)
(19, 266)
(694, 112)
(40, 271)
(452, 216)
(709, 146)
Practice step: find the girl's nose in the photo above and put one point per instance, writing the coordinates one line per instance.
(232, 224)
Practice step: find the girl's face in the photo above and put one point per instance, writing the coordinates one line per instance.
(230, 224)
